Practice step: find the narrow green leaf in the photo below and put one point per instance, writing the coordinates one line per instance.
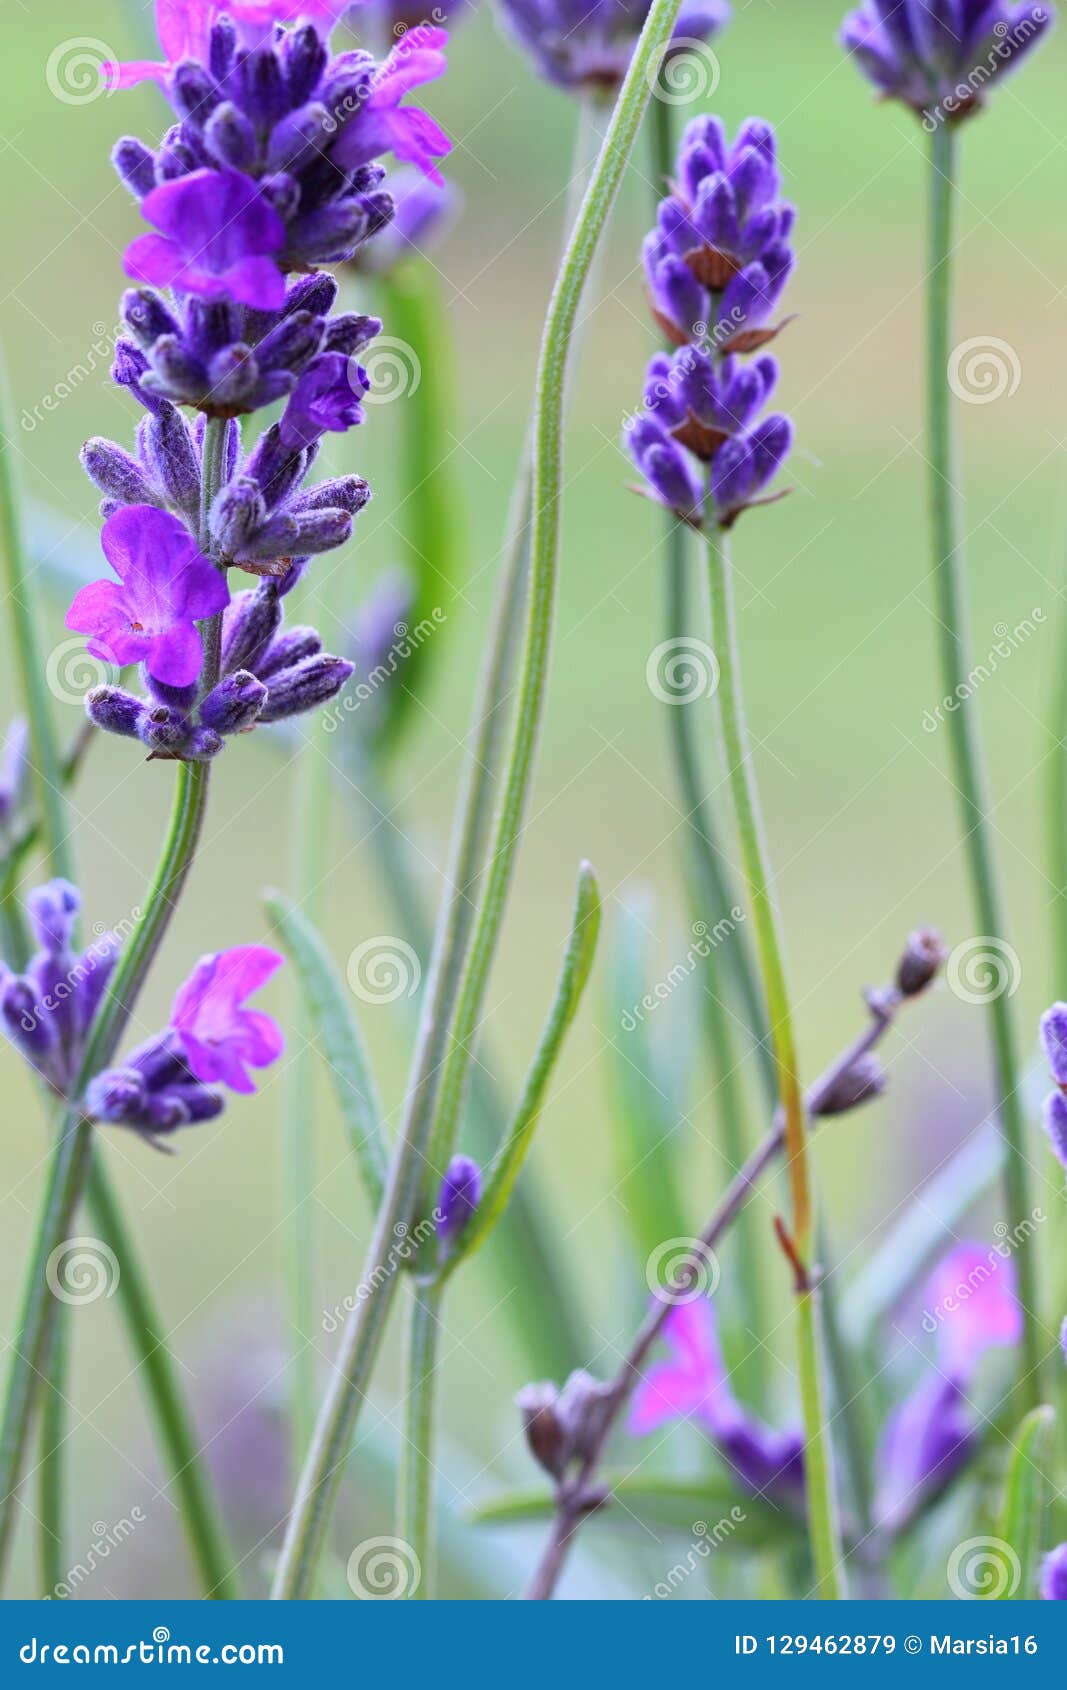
(504, 1170)
(342, 1043)
(711, 1501)
(1024, 1501)
(648, 1108)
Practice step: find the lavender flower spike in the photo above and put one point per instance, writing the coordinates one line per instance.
(1054, 1039)
(589, 43)
(940, 56)
(46, 1011)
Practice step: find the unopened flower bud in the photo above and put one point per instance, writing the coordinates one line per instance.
(545, 1435)
(923, 957)
(864, 1080)
(459, 1196)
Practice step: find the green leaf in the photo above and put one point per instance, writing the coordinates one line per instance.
(342, 1043)
(712, 1501)
(647, 1110)
(1025, 1490)
(574, 974)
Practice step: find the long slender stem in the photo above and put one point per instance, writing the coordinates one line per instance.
(70, 1163)
(416, 1474)
(575, 1494)
(318, 1482)
(822, 1508)
(200, 1518)
(968, 762)
(1056, 818)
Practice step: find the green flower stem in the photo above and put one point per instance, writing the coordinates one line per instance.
(963, 727)
(417, 1469)
(208, 1546)
(1056, 818)
(524, 1255)
(822, 1509)
(318, 1483)
(70, 1163)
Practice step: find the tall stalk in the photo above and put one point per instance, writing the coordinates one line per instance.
(454, 992)
(822, 1507)
(963, 726)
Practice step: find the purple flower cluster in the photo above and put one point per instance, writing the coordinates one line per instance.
(941, 56)
(927, 1439)
(270, 170)
(267, 672)
(589, 43)
(47, 1011)
(716, 265)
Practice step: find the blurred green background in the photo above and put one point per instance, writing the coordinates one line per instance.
(839, 650)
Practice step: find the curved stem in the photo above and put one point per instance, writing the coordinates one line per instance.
(318, 1483)
(70, 1163)
(968, 762)
(822, 1510)
(200, 1518)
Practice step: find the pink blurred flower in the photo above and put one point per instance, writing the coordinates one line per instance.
(184, 28)
(971, 1296)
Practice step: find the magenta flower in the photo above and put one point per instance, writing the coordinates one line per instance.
(971, 1294)
(184, 28)
(217, 238)
(222, 1039)
(387, 127)
(165, 586)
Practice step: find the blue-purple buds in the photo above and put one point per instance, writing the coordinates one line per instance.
(154, 1091)
(715, 267)
(1054, 1039)
(459, 1196)
(1054, 1575)
(940, 56)
(46, 1011)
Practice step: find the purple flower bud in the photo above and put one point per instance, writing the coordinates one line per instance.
(457, 1199)
(865, 1080)
(926, 1442)
(590, 45)
(1056, 1124)
(118, 1094)
(251, 621)
(235, 704)
(116, 473)
(53, 910)
(164, 731)
(1054, 1038)
(116, 711)
(1054, 1575)
(310, 683)
(292, 646)
(928, 55)
(136, 166)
